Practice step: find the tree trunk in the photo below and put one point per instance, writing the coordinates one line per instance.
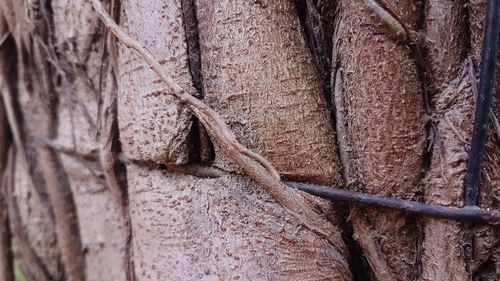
(106, 175)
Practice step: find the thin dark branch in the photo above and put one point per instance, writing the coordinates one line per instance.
(483, 104)
(469, 214)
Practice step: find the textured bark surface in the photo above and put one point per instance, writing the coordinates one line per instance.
(6, 255)
(380, 122)
(76, 55)
(477, 16)
(153, 126)
(317, 18)
(100, 216)
(259, 76)
(443, 256)
(83, 101)
(37, 225)
(445, 251)
(227, 228)
(485, 261)
(445, 40)
(6, 265)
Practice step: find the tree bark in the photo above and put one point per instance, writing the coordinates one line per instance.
(110, 177)
(380, 122)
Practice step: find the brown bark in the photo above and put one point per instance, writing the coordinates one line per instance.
(6, 256)
(263, 83)
(153, 126)
(445, 43)
(443, 257)
(477, 16)
(290, 202)
(317, 18)
(447, 254)
(85, 124)
(485, 256)
(83, 97)
(225, 228)
(33, 228)
(445, 40)
(76, 69)
(6, 263)
(381, 128)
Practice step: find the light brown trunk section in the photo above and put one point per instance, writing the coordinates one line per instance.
(100, 212)
(259, 75)
(153, 126)
(444, 31)
(226, 228)
(443, 254)
(381, 131)
(35, 227)
(445, 40)
(446, 254)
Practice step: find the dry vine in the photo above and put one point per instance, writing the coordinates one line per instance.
(252, 164)
(265, 174)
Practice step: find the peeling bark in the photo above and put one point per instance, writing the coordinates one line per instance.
(87, 124)
(443, 257)
(381, 106)
(153, 126)
(446, 255)
(261, 80)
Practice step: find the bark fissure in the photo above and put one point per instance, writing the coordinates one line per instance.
(190, 24)
(316, 18)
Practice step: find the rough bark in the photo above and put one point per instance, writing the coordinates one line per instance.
(447, 250)
(73, 56)
(485, 261)
(445, 40)
(6, 255)
(259, 75)
(262, 78)
(35, 226)
(317, 18)
(153, 126)
(381, 129)
(226, 228)
(443, 257)
(477, 15)
(447, 254)
(6, 264)
(88, 83)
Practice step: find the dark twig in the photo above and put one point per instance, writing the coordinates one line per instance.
(483, 104)
(469, 214)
